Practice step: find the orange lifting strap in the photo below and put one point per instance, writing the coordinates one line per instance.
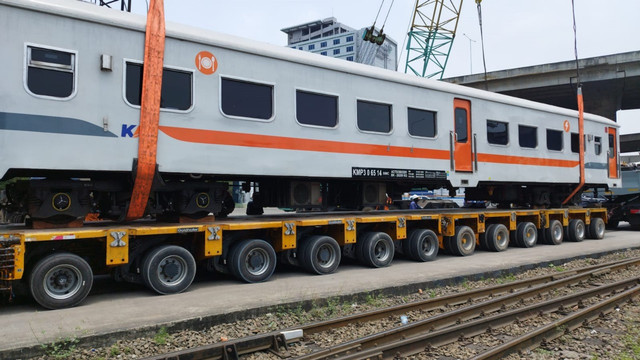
(580, 143)
(149, 109)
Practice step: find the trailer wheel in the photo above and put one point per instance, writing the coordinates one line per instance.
(168, 269)
(496, 237)
(526, 235)
(576, 230)
(596, 228)
(554, 233)
(613, 224)
(252, 260)
(60, 280)
(375, 249)
(463, 243)
(421, 245)
(320, 254)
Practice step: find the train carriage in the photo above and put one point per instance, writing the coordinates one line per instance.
(311, 131)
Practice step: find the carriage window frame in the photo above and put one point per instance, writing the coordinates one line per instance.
(365, 102)
(575, 143)
(175, 69)
(552, 143)
(30, 63)
(597, 145)
(520, 136)
(250, 82)
(492, 137)
(410, 128)
(336, 97)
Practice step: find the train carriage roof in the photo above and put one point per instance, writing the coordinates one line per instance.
(90, 12)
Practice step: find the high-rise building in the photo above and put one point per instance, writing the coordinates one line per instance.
(330, 38)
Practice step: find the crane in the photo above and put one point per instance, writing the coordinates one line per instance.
(433, 29)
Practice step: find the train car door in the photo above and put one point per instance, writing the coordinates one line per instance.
(612, 153)
(463, 153)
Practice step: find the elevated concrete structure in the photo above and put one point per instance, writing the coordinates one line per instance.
(609, 83)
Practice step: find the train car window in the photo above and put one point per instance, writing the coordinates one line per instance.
(374, 117)
(597, 145)
(554, 140)
(50, 72)
(176, 87)
(247, 99)
(316, 109)
(528, 136)
(461, 125)
(422, 122)
(575, 143)
(612, 152)
(497, 132)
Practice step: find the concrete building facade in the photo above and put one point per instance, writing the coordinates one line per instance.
(328, 37)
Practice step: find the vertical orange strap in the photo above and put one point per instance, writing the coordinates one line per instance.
(580, 144)
(149, 109)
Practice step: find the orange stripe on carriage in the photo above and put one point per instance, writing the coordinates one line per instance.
(289, 143)
(215, 137)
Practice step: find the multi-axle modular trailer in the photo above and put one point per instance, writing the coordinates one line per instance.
(58, 265)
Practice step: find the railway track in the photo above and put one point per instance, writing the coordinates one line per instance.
(541, 308)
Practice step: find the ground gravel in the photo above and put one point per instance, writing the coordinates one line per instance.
(615, 336)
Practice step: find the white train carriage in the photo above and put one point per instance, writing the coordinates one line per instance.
(311, 131)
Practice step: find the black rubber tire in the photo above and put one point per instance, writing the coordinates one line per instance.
(319, 254)
(496, 237)
(554, 234)
(612, 224)
(375, 249)
(168, 269)
(576, 231)
(463, 243)
(482, 239)
(526, 234)
(596, 229)
(60, 280)
(252, 260)
(421, 245)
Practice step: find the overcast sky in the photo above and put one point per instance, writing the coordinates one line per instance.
(516, 33)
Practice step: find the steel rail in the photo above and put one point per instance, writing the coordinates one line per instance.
(459, 315)
(428, 340)
(560, 327)
(233, 348)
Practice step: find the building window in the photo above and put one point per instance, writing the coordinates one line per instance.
(349, 38)
(349, 58)
(349, 48)
(597, 145)
(247, 99)
(312, 46)
(323, 44)
(50, 72)
(300, 48)
(323, 53)
(422, 122)
(528, 136)
(374, 117)
(554, 140)
(497, 132)
(336, 41)
(316, 109)
(336, 51)
(176, 87)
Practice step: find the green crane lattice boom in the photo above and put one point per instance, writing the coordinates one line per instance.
(432, 32)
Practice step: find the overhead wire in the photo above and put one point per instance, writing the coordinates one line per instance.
(484, 62)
